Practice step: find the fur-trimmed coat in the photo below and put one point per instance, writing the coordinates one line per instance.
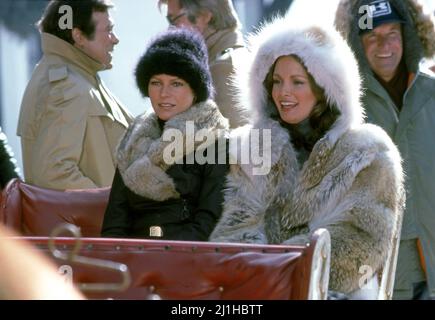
(351, 183)
(411, 129)
(183, 198)
(8, 168)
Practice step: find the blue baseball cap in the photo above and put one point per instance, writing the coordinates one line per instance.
(381, 12)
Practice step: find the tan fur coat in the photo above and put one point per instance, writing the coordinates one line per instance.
(351, 183)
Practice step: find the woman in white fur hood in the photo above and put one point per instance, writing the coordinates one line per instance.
(328, 169)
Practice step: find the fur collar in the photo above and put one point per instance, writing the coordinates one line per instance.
(419, 31)
(325, 54)
(140, 152)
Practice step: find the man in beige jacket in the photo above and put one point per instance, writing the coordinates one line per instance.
(69, 122)
(217, 21)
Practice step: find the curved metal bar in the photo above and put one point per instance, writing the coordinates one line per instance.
(73, 257)
(62, 228)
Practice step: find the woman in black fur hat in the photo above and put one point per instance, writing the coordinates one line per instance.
(168, 183)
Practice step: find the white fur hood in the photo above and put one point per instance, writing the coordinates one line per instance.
(326, 56)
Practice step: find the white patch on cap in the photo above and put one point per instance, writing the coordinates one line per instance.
(379, 9)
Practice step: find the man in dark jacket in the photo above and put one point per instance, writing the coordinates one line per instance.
(8, 168)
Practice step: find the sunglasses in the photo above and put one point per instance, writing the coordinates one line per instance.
(173, 20)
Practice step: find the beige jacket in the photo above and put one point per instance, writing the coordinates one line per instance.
(69, 122)
(226, 51)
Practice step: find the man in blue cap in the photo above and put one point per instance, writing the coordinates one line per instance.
(390, 40)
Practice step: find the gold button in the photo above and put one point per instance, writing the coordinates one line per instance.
(156, 231)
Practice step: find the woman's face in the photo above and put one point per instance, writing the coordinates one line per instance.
(291, 91)
(169, 95)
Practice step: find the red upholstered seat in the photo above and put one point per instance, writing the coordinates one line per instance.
(35, 211)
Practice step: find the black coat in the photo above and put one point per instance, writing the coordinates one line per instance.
(8, 169)
(191, 217)
(184, 200)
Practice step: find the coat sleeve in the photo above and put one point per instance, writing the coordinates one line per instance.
(8, 169)
(62, 133)
(360, 245)
(117, 221)
(360, 239)
(244, 209)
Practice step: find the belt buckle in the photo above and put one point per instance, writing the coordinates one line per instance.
(156, 231)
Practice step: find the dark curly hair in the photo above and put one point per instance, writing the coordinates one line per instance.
(321, 118)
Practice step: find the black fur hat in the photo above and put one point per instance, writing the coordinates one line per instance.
(177, 52)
